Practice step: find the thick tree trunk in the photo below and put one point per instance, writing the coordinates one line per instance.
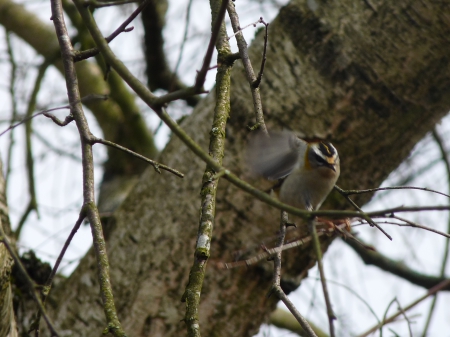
(372, 77)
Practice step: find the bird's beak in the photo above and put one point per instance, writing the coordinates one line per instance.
(331, 163)
(332, 166)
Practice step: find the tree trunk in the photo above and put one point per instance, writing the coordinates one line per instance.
(372, 77)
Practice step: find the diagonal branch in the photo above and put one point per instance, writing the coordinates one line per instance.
(440, 286)
(251, 78)
(363, 214)
(394, 267)
(85, 54)
(156, 165)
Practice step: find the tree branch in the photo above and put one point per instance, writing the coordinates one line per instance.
(193, 289)
(156, 165)
(113, 323)
(396, 268)
(251, 78)
(85, 54)
(276, 287)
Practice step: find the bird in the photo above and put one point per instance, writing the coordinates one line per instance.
(307, 171)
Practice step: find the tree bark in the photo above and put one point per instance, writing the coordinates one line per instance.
(8, 326)
(372, 77)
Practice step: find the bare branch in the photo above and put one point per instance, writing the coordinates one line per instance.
(370, 190)
(250, 74)
(318, 252)
(48, 285)
(409, 223)
(269, 252)
(201, 75)
(14, 112)
(443, 285)
(446, 161)
(183, 42)
(45, 112)
(263, 61)
(112, 320)
(364, 215)
(79, 56)
(276, 288)
(155, 164)
(394, 267)
(202, 252)
(100, 4)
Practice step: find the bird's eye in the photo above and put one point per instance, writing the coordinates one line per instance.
(320, 160)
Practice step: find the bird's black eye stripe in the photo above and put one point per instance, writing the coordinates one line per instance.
(320, 160)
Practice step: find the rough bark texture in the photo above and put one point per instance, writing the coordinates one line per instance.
(372, 77)
(7, 322)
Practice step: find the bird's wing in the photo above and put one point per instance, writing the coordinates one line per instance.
(276, 156)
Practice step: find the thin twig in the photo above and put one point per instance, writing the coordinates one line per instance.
(14, 112)
(409, 223)
(402, 209)
(404, 315)
(440, 143)
(32, 204)
(371, 190)
(85, 54)
(384, 316)
(349, 289)
(277, 257)
(264, 58)
(251, 78)
(363, 214)
(183, 43)
(318, 252)
(23, 218)
(100, 4)
(201, 75)
(155, 164)
(48, 285)
(390, 319)
(239, 31)
(269, 252)
(75, 229)
(276, 287)
(46, 112)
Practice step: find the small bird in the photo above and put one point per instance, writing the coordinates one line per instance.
(307, 171)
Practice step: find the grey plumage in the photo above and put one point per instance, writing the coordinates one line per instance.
(310, 169)
(277, 156)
